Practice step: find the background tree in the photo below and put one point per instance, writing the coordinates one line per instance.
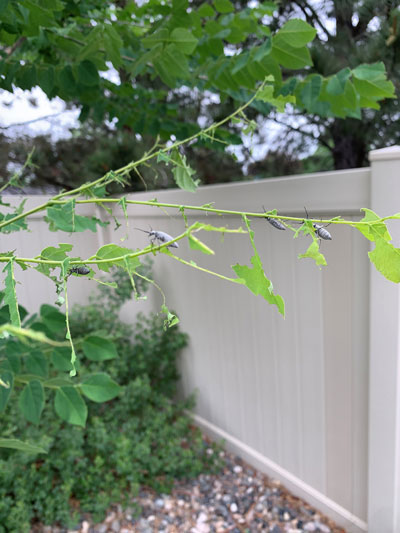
(158, 70)
(349, 33)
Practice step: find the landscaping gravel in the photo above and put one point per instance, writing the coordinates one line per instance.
(238, 500)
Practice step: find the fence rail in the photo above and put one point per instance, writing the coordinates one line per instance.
(311, 399)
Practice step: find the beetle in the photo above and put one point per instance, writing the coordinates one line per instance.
(160, 236)
(81, 270)
(320, 230)
(274, 221)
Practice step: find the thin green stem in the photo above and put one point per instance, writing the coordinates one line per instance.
(187, 263)
(132, 165)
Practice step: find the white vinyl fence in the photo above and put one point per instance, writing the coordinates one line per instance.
(311, 399)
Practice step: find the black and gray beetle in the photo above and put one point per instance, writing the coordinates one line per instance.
(274, 221)
(320, 231)
(160, 236)
(81, 270)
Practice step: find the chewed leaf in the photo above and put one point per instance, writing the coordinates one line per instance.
(10, 296)
(183, 172)
(314, 253)
(196, 244)
(386, 259)
(171, 319)
(64, 218)
(374, 230)
(221, 229)
(255, 279)
(112, 252)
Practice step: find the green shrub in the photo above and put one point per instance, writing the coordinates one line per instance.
(140, 438)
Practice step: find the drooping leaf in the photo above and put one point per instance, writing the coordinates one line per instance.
(100, 388)
(313, 252)
(10, 296)
(183, 173)
(16, 444)
(31, 401)
(196, 244)
(386, 259)
(70, 407)
(99, 349)
(254, 277)
(171, 319)
(61, 359)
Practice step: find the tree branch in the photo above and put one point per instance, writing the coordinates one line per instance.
(313, 17)
(45, 117)
(10, 50)
(302, 132)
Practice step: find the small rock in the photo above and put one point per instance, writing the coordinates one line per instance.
(101, 528)
(237, 469)
(233, 507)
(286, 516)
(310, 526)
(85, 526)
(276, 529)
(115, 526)
(159, 502)
(322, 527)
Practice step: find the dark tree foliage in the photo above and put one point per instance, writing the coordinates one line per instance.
(349, 33)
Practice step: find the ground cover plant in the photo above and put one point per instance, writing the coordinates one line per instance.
(140, 436)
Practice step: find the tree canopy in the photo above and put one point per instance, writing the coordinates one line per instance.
(144, 66)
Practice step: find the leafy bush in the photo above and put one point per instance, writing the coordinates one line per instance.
(141, 437)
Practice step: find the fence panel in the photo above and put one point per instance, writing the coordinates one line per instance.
(290, 395)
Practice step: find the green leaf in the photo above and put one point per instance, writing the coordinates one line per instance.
(52, 318)
(205, 10)
(263, 50)
(6, 378)
(314, 253)
(100, 388)
(70, 407)
(67, 80)
(196, 244)
(254, 277)
(113, 44)
(171, 319)
(171, 65)
(289, 56)
(87, 73)
(99, 349)
(266, 95)
(184, 40)
(10, 296)
(111, 252)
(46, 79)
(64, 218)
(183, 173)
(61, 359)
(16, 444)
(295, 33)
(386, 259)
(36, 363)
(374, 71)
(311, 91)
(223, 6)
(51, 253)
(31, 401)
(336, 83)
(374, 230)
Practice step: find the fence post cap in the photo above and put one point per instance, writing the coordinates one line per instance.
(391, 152)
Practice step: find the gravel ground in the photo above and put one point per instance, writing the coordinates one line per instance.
(238, 500)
